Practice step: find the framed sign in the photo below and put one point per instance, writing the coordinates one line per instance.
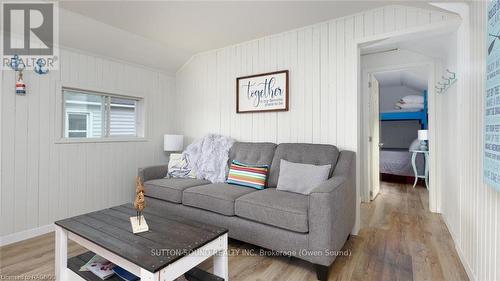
(491, 148)
(262, 92)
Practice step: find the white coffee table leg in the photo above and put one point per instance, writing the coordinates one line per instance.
(149, 276)
(61, 253)
(221, 261)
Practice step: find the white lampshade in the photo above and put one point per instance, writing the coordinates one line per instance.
(173, 142)
(422, 135)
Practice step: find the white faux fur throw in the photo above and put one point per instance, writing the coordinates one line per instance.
(208, 156)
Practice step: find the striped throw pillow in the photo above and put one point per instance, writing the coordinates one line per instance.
(247, 175)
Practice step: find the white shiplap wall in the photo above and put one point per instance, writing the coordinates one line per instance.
(321, 60)
(43, 180)
(323, 112)
(470, 208)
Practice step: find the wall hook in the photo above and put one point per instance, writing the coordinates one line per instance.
(447, 79)
(453, 74)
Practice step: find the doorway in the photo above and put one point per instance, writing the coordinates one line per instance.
(397, 111)
(434, 50)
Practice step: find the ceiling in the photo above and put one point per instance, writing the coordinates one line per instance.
(165, 34)
(435, 44)
(413, 78)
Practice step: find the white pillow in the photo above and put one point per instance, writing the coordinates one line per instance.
(412, 99)
(301, 178)
(178, 167)
(409, 105)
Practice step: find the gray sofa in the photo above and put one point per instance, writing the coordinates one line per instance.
(309, 227)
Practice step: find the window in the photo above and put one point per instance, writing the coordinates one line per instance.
(77, 124)
(96, 115)
(122, 114)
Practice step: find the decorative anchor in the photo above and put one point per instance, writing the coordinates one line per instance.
(139, 222)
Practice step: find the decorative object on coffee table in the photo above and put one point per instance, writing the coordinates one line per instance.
(139, 222)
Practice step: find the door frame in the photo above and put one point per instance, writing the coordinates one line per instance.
(365, 122)
(354, 51)
(434, 28)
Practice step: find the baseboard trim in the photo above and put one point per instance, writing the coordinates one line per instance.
(25, 234)
(461, 255)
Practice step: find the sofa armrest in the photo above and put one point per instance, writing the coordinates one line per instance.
(153, 172)
(332, 210)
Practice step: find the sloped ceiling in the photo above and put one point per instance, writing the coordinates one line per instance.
(165, 34)
(414, 78)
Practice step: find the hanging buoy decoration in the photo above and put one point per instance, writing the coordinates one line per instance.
(40, 67)
(20, 85)
(16, 63)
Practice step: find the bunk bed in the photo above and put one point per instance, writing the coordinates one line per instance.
(409, 114)
(395, 163)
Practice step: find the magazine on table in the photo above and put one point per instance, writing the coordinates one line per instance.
(100, 266)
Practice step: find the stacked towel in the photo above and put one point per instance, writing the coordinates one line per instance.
(410, 102)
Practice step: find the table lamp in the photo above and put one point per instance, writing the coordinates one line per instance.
(423, 137)
(173, 143)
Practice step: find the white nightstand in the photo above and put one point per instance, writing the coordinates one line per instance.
(426, 172)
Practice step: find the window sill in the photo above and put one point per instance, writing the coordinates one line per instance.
(100, 140)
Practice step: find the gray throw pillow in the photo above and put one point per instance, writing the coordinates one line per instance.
(301, 178)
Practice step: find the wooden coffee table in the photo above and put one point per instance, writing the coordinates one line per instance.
(170, 248)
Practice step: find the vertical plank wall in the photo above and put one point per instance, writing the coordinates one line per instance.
(322, 111)
(42, 180)
(323, 107)
(473, 216)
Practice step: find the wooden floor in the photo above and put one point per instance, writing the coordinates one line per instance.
(399, 240)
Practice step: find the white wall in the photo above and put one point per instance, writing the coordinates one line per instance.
(321, 62)
(470, 208)
(43, 180)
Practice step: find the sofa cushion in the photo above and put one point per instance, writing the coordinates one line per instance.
(170, 189)
(277, 208)
(217, 197)
(305, 153)
(258, 153)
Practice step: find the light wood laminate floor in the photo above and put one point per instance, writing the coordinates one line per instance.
(399, 240)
